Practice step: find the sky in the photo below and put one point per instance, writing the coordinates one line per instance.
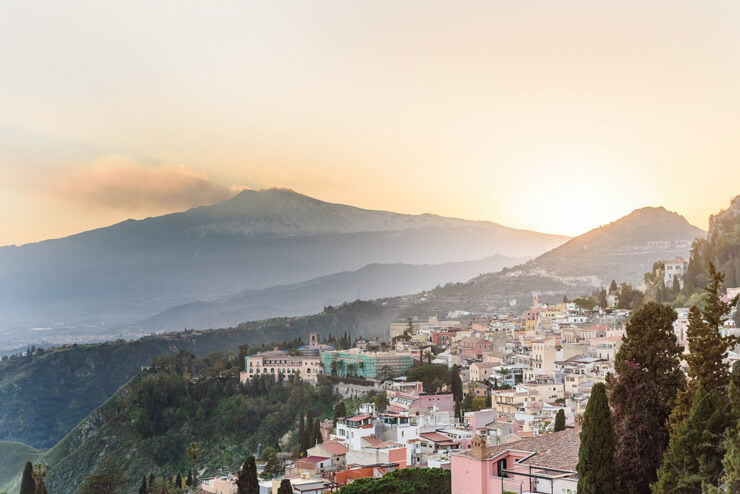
(551, 116)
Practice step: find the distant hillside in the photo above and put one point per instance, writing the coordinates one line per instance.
(258, 239)
(371, 282)
(624, 249)
(43, 397)
(13, 457)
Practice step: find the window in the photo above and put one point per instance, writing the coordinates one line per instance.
(500, 467)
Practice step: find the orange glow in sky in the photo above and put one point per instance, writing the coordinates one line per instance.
(551, 116)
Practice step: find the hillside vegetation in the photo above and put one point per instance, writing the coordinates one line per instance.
(43, 397)
(180, 399)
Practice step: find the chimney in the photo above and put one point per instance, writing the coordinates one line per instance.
(478, 447)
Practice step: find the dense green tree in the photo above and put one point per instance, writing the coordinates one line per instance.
(246, 482)
(285, 487)
(339, 410)
(381, 400)
(648, 379)
(110, 480)
(601, 298)
(456, 384)
(404, 481)
(308, 432)
(274, 465)
(432, 376)
(596, 467)
(28, 486)
(694, 455)
(189, 481)
(703, 450)
(178, 480)
(559, 421)
(707, 346)
(143, 489)
(613, 287)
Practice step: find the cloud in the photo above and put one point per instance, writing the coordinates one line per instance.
(116, 182)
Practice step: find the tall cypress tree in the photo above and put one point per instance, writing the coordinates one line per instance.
(317, 437)
(456, 384)
(143, 488)
(301, 434)
(308, 433)
(285, 487)
(28, 486)
(648, 379)
(596, 469)
(559, 421)
(246, 482)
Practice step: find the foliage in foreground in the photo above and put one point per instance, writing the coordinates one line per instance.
(406, 481)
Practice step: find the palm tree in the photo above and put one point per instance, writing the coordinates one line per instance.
(39, 474)
(193, 450)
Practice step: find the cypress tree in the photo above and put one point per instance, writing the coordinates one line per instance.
(648, 379)
(178, 480)
(596, 468)
(246, 482)
(301, 435)
(189, 481)
(308, 434)
(339, 411)
(317, 437)
(559, 421)
(143, 488)
(456, 384)
(285, 487)
(28, 486)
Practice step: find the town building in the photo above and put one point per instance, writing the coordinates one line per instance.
(371, 365)
(278, 363)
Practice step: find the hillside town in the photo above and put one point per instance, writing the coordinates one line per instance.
(508, 419)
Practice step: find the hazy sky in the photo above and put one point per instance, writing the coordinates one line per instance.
(552, 116)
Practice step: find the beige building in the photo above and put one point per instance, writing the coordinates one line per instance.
(546, 392)
(279, 362)
(544, 354)
(480, 371)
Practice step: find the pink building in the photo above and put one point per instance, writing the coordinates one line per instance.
(541, 464)
(474, 347)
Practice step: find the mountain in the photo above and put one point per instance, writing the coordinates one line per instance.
(308, 297)
(624, 249)
(113, 276)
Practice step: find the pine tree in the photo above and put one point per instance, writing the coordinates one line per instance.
(559, 421)
(28, 486)
(285, 487)
(143, 488)
(596, 468)
(648, 379)
(246, 481)
(707, 347)
(703, 452)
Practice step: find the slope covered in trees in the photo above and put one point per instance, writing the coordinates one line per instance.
(148, 425)
(43, 397)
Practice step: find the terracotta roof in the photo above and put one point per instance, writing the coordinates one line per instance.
(435, 437)
(372, 440)
(358, 418)
(334, 447)
(313, 459)
(557, 450)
